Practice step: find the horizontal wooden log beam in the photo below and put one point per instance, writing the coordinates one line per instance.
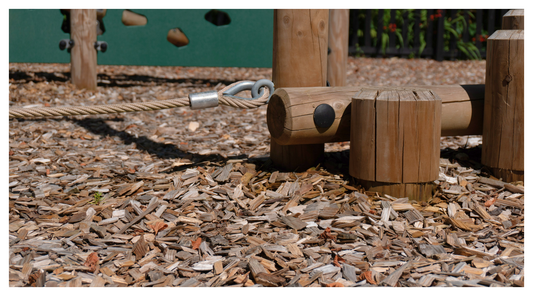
(290, 112)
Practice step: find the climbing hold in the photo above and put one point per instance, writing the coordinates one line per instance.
(324, 116)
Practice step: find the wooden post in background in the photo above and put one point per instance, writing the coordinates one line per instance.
(83, 54)
(299, 59)
(503, 120)
(339, 21)
(513, 20)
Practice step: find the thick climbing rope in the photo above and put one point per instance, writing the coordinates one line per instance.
(134, 107)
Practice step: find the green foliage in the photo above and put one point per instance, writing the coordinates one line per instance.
(455, 27)
(98, 197)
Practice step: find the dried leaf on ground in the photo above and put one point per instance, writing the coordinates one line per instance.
(367, 275)
(196, 243)
(92, 261)
(326, 234)
(158, 226)
(335, 284)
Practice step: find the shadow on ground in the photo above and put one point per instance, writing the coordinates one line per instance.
(334, 162)
(23, 77)
(120, 80)
(138, 80)
(98, 126)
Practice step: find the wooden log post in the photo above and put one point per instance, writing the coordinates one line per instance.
(83, 54)
(513, 20)
(339, 21)
(291, 112)
(299, 60)
(395, 141)
(503, 124)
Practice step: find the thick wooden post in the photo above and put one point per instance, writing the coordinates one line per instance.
(339, 21)
(513, 20)
(299, 60)
(503, 124)
(83, 54)
(395, 141)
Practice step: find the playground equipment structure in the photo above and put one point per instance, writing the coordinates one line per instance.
(394, 133)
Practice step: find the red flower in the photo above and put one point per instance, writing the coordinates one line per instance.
(439, 11)
(432, 17)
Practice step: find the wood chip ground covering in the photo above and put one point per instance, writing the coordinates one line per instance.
(189, 198)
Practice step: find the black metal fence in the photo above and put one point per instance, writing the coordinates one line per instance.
(427, 33)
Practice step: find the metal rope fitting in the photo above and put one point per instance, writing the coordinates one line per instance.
(254, 87)
(260, 84)
(203, 100)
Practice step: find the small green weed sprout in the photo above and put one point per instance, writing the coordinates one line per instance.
(98, 197)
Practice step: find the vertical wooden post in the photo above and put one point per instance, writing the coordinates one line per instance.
(395, 141)
(299, 59)
(503, 120)
(513, 20)
(83, 54)
(339, 21)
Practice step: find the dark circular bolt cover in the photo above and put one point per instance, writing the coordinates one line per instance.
(324, 116)
(62, 44)
(103, 47)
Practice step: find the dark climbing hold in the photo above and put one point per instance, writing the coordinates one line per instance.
(324, 116)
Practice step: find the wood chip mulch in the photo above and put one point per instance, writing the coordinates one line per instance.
(189, 198)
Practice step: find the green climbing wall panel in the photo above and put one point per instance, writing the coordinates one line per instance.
(246, 41)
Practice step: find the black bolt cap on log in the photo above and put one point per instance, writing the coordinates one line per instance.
(324, 116)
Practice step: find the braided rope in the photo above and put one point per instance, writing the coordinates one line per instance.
(134, 107)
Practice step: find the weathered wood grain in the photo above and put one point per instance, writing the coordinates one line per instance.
(395, 143)
(299, 59)
(290, 111)
(338, 44)
(83, 55)
(503, 126)
(513, 20)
